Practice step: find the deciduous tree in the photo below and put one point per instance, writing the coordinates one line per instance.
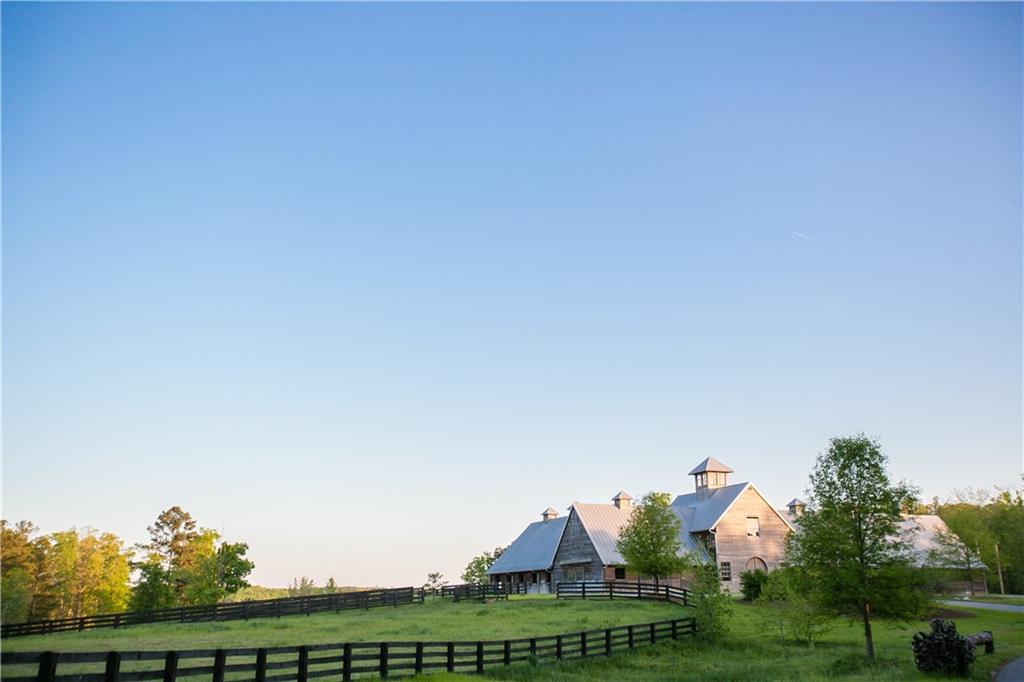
(848, 540)
(476, 570)
(650, 542)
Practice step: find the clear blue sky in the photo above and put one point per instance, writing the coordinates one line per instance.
(369, 287)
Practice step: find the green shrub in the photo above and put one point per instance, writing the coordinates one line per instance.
(752, 582)
(712, 604)
(787, 605)
(943, 650)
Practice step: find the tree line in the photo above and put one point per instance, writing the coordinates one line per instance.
(81, 572)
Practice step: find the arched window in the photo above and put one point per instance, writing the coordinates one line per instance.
(756, 562)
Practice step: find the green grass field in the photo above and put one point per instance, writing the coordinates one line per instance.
(435, 620)
(749, 653)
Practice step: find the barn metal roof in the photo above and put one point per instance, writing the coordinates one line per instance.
(708, 510)
(710, 464)
(533, 550)
(923, 529)
(604, 522)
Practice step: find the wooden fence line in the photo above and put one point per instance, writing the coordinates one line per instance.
(347, 660)
(481, 592)
(264, 608)
(620, 589)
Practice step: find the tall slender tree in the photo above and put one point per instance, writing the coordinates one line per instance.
(848, 542)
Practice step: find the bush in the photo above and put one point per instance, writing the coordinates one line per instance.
(943, 650)
(712, 604)
(787, 604)
(752, 583)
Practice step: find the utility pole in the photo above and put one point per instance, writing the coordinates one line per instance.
(999, 568)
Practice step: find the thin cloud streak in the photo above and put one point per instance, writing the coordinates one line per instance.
(805, 237)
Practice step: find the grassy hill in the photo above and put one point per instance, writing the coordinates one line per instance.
(435, 620)
(749, 653)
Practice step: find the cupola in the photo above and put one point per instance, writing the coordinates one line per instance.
(709, 475)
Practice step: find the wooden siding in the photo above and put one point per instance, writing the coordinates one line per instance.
(732, 543)
(577, 548)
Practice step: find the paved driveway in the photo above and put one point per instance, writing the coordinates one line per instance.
(1012, 671)
(1009, 608)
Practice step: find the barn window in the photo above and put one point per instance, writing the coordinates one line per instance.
(753, 527)
(620, 573)
(725, 571)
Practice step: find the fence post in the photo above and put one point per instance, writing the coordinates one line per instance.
(117, 620)
(479, 658)
(638, 590)
(418, 661)
(383, 659)
(47, 666)
(653, 638)
(303, 663)
(81, 623)
(611, 593)
(629, 632)
(675, 629)
(113, 668)
(346, 663)
(583, 643)
(261, 665)
(171, 666)
(558, 647)
(218, 665)
(449, 662)
(584, 583)
(508, 652)
(608, 642)
(533, 646)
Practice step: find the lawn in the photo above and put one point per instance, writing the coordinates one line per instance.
(752, 654)
(749, 653)
(435, 620)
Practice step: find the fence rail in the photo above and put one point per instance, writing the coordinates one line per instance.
(264, 608)
(347, 661)
(618, 589)
(482, 592)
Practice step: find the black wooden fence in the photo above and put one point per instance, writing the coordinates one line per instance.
(611, 590)
(357, 659)
(482, 592)
(287, 606)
